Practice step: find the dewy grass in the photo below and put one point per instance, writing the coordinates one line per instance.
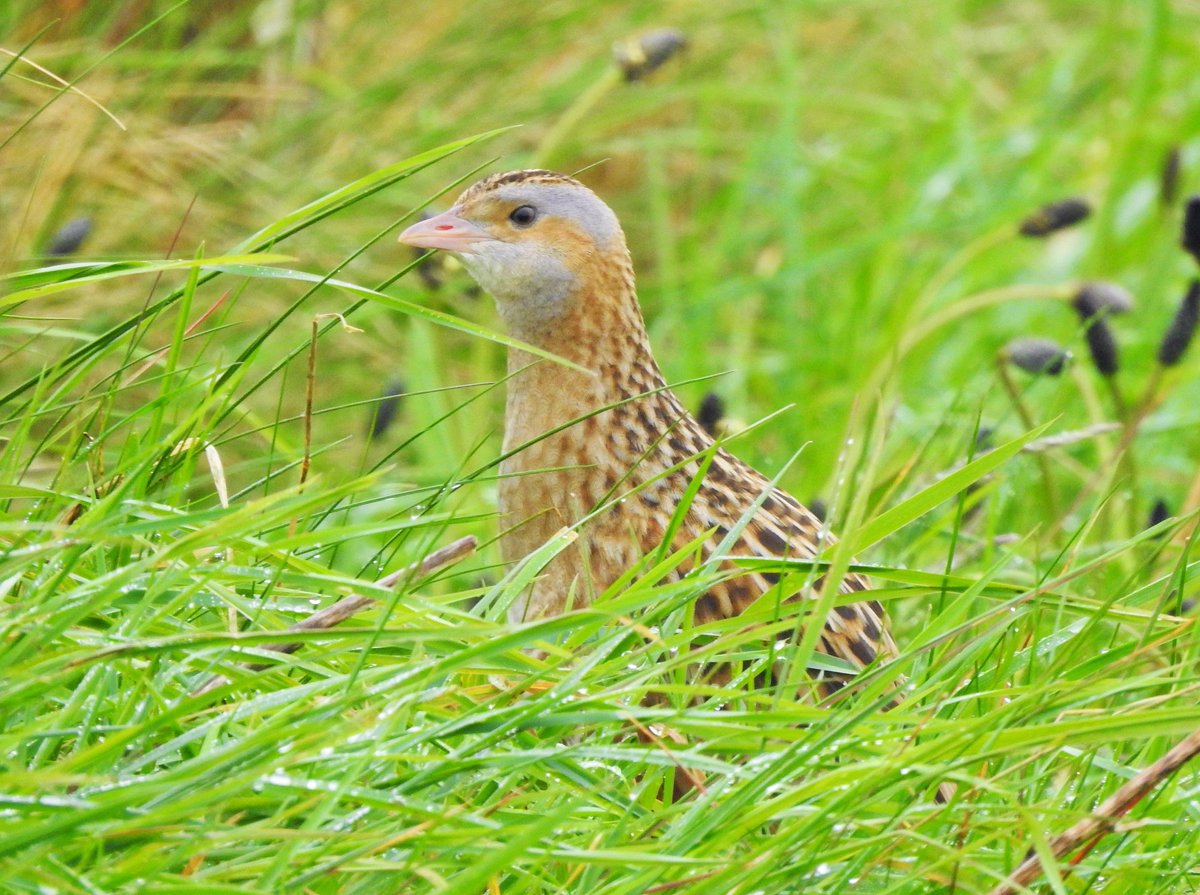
(831, 221)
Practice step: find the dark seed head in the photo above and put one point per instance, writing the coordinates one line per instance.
(1102, 298)
(1036, 355)
(711, 412)
(69, 237)
(435, 270)
(1168, 183)
(1183, 326)
(1102, 345)
(387, 408)
(1055, 216)
(1158, 513)
(817, 507)
(1191, 228)
(429, 271)
(639, 56)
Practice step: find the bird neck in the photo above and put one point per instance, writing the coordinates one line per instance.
(601, 330)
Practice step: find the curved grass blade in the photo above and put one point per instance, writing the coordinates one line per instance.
(114, 269)
(923, 501)
(398, 304)
(286, 226)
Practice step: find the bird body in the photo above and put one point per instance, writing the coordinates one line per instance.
(553, 256)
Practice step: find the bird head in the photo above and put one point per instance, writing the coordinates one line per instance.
(535, 240)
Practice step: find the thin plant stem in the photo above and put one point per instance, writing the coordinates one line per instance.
(576, 112)
(1049, 487)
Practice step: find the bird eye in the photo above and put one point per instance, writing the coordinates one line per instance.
(523, 215)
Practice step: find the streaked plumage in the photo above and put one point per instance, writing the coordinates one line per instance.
(564, 282)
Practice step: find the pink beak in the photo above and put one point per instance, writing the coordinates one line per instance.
(445, 231)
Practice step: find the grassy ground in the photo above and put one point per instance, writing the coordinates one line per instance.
(822, 201)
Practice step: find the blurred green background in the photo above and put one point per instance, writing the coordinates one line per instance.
(822, 201)
(802, 187)
(791, 184)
